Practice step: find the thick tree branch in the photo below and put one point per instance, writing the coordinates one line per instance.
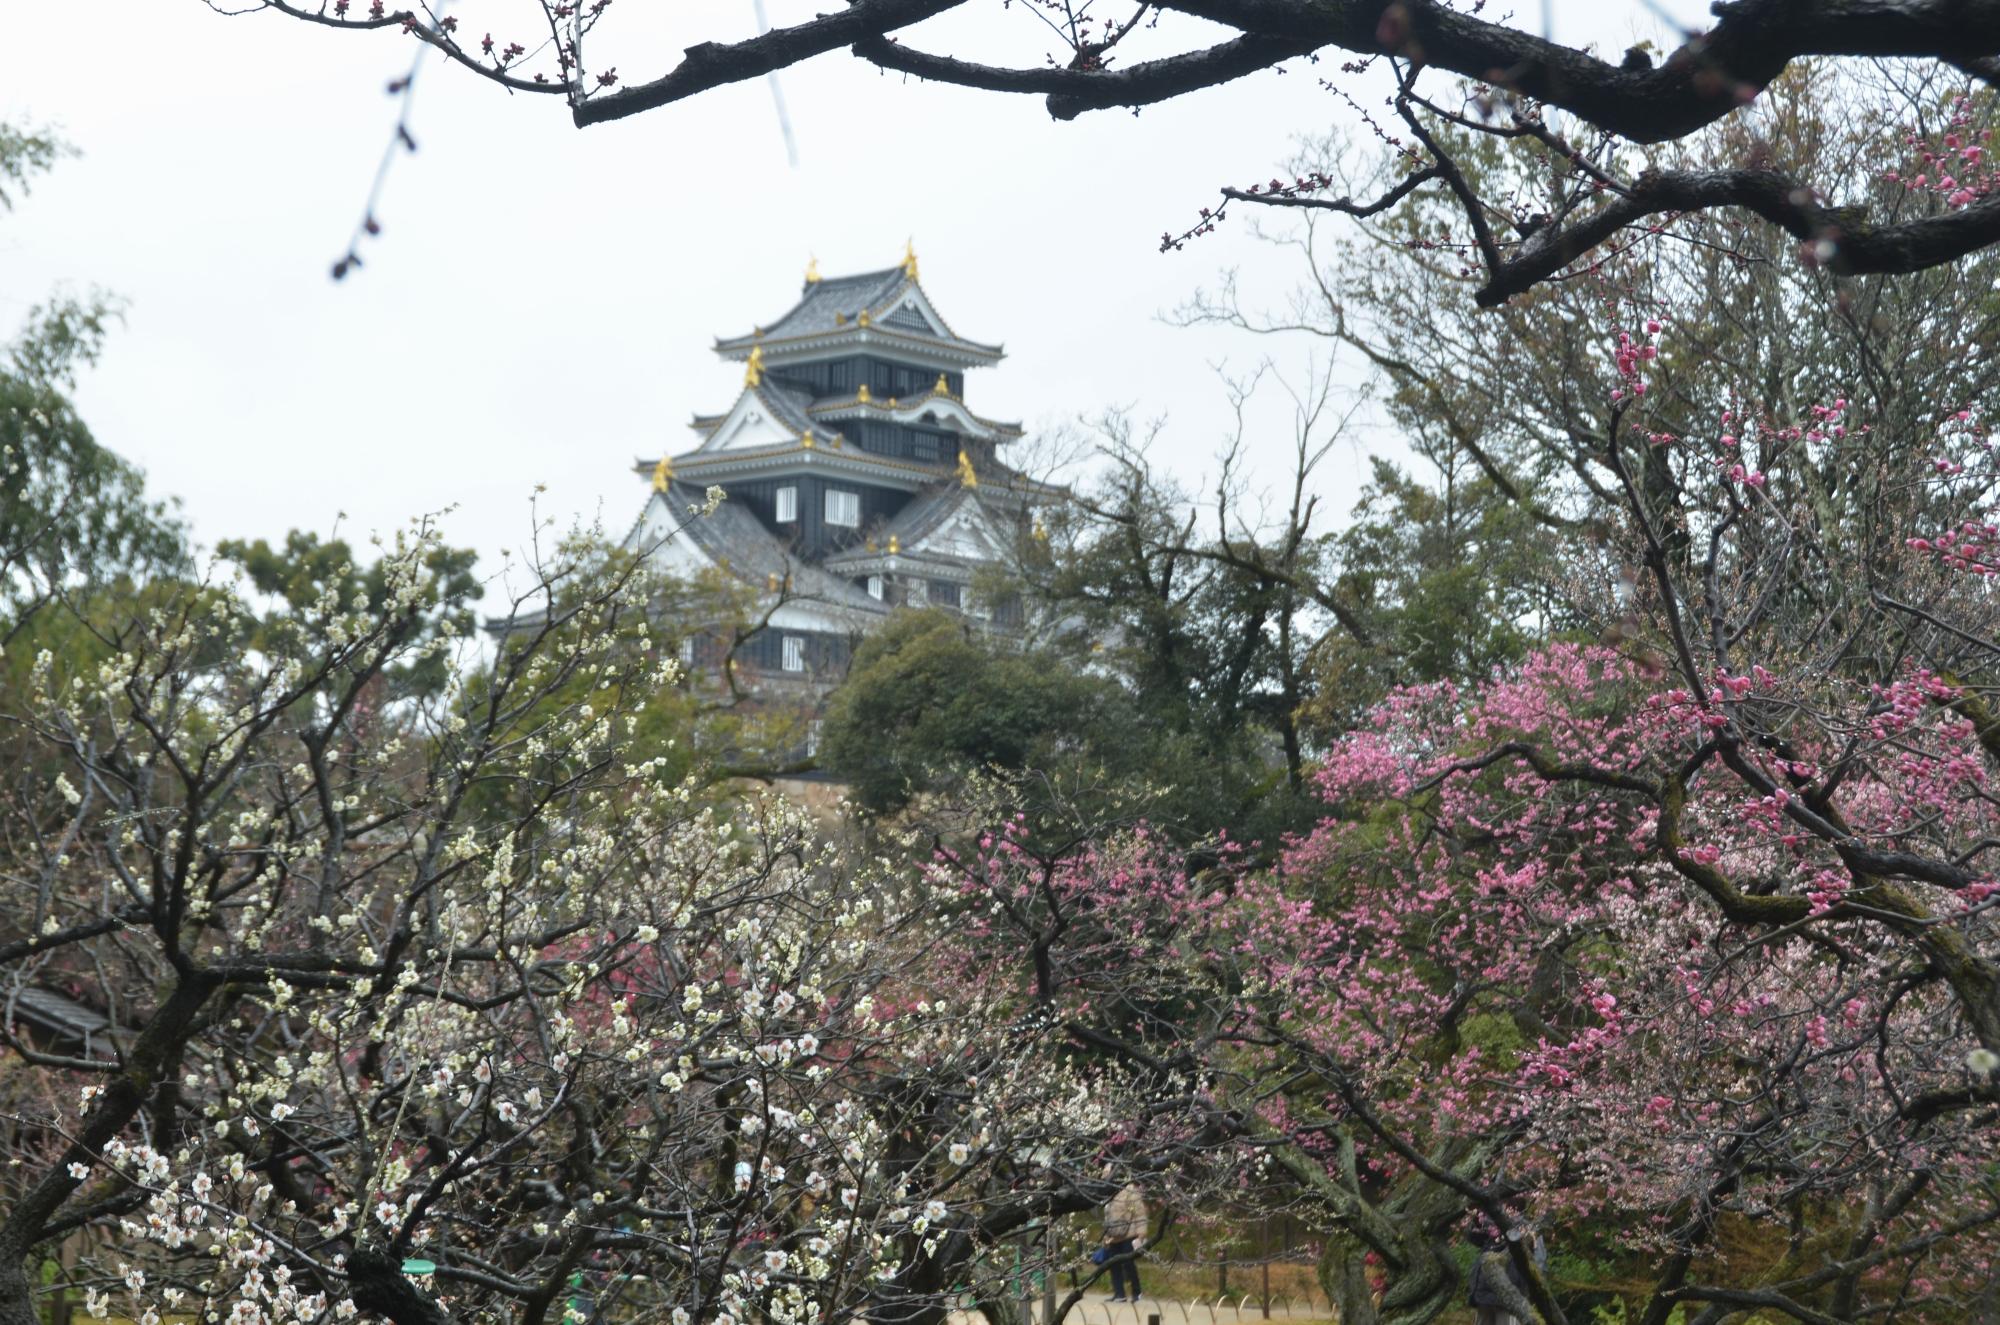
(1843, 240)
(1711, 75)
(1071, 92)
(711, 64)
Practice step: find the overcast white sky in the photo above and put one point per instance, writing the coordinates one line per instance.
(540, 306)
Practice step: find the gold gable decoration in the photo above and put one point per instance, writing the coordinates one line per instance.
(663, 474)
(812, 272)
(967, 477)
(862, 395)
(753, 367)
(943, 388)
(910, 258)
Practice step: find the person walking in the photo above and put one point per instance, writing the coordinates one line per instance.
(1125, 1223)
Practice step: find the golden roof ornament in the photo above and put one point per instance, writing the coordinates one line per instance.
(863, 318)
(806, 440)
(943, 388)
(1041, 531)
(663, 474)
(966, 477)
(753, 367)
(895, 545)
(910, 258)
(863, 396)
(812, 272)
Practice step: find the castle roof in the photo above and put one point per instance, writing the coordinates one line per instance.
(949, 526)
(942, 517)
(887, 310)
(730, 539)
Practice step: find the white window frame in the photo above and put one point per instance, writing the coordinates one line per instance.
(839, 500)
(788, 504)
(875, 587)
(794, 653)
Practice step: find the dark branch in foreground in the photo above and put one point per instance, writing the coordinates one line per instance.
(1071, 92)
(1709, 76)
(1838, 238)
(712, 64)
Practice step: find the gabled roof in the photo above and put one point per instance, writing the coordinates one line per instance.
(836, 301)
(950, 525)
(947, 408)
(768, 414)
(732, 540)
(831, 311)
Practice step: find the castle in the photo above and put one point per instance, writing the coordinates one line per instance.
(857, 480)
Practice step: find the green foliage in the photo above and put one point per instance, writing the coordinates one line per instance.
(928, 701)
(1450, 578)
(72, 513)
(1207, 639)
(25, 153)
(1611, 1311)
(317, 587)
(1498, 1039)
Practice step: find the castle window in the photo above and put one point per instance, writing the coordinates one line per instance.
(843, 508)
(875, 586)
(945, 593)
(795, 653)
(788, 505)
